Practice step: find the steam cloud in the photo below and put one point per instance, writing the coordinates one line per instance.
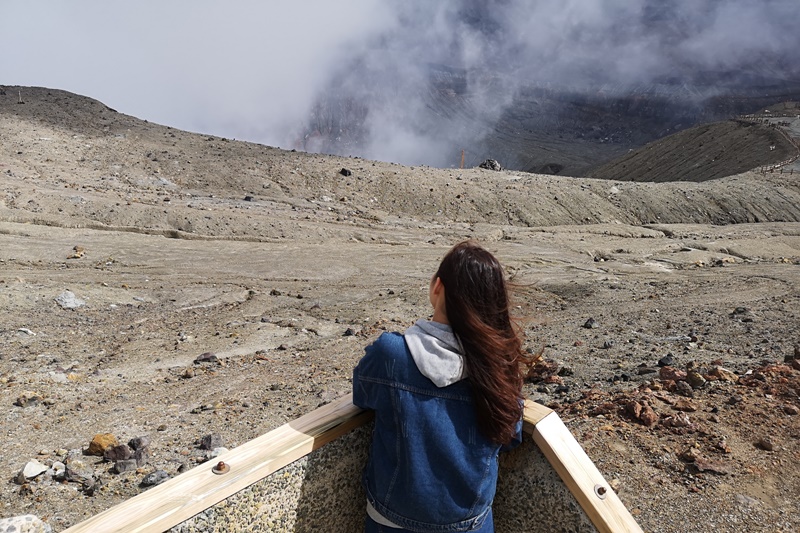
(358, 77)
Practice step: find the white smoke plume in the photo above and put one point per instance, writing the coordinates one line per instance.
(359, 77)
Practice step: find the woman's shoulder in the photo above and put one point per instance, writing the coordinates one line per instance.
(391, 343)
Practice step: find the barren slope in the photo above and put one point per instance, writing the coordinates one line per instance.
(180, 244)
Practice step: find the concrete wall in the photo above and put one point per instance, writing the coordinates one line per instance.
(322, 492)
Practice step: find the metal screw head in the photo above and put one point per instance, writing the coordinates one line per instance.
(600, 491)
(221, 468)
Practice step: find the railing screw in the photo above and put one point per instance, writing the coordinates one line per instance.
(221, 468)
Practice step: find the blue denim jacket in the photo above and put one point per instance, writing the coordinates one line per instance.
(430, 469)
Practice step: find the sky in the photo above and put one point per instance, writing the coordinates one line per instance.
(254, 70)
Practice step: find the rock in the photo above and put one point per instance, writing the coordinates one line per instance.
(685, 405)
(206, 357)
(704, 464)
(746, 501)
(28, 399)
(644, 370)
(209, 442)
(668, 373)
(117, 453)
(141, 455)
(24, 524)
(791, 410)
(642, 412)
(608, 344)
(155, 478)
(680, 420)
(734, 399)
(667, 360)
(349, 332)
(59, 470)
(67, 300)
(491, 164)
(77, 468)
(139, 442)
(217, 451)
(684, 389)
(766, 443)
(694, 379)
(345, 172)
(101, 442)
(248, 198)
(648, 417)
(796, 364)
(32, 469)
(591, 324)
(125, 465)
(723, 374)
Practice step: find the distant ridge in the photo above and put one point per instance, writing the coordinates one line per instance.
(701, 153)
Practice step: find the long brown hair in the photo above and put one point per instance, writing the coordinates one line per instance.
(477, 307)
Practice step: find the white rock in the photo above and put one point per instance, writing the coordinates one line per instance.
(59, 470)
(24, 524)
(68, 300)
(33, 469)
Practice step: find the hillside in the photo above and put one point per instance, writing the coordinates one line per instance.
(174, 285)
(702, 153)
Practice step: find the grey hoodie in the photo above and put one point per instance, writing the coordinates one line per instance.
(436, 351)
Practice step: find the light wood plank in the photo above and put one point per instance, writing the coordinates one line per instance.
(180, 498)
(581, 476)
(184, 496)
(532, 414)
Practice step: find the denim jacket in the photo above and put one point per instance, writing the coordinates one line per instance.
(430, 469)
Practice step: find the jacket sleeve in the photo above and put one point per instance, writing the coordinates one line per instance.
(364, 393)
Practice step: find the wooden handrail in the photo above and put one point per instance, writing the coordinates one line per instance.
(182, 497)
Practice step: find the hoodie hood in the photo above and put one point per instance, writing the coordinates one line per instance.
(436, 351)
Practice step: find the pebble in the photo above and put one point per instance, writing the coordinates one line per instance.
(747, 501)
(217, 452)
(591, 324)
(137, 443)
(59, 470)
(209, 442)
(349, 332)
(766, 443)
(28, 399)
(207, 357)
(156, 478)
(125, 465)
(667, 360)
(24, 524)
(736, 398)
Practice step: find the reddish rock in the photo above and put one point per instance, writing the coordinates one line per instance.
(668, 373)
(686, 405)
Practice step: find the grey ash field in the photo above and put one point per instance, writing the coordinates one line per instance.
(179, 244)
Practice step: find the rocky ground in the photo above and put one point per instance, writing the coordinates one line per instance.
(169, 285)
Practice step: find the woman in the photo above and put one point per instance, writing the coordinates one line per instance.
(446, 396)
